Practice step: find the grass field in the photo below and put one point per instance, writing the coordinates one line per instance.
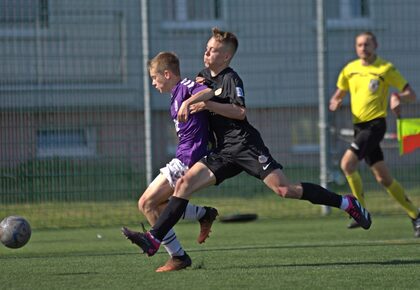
(317, 253)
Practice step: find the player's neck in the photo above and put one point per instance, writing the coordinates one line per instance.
(215, 71)
(369, 60)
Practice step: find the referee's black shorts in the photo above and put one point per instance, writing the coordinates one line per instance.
(228, 162)
(367, 139)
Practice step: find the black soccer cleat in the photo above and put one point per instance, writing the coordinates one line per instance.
(358, 212)
(145, 241)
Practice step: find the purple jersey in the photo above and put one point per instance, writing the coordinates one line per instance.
(194, 134)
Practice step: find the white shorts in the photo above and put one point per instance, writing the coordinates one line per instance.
(173, 171)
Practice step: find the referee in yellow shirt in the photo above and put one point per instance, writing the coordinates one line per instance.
(368, 79)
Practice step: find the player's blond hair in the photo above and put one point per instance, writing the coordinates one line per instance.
(227, 38)
(165, 61)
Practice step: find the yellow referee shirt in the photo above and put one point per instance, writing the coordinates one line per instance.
(369, 87)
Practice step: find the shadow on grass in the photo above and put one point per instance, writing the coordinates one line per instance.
(327, 264)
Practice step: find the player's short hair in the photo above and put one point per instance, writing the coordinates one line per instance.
(165, 61)
(368, 33)
(227, 38)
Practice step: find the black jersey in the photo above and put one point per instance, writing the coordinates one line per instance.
(228, 89)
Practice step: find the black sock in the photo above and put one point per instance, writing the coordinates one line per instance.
(169, 217)
(316, 194)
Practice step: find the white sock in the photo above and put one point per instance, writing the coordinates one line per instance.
(344, 203)
(193, 212)
(172, 245)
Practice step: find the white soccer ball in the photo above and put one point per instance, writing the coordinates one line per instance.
(15, 231)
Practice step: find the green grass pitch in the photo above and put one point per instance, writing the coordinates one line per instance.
(317, 253)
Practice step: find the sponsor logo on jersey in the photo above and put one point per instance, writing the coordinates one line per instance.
(218, 92)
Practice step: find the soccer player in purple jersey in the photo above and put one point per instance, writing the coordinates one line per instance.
(239, 147)
(193, 142)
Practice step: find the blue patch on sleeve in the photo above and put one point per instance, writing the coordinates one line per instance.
(239, 92)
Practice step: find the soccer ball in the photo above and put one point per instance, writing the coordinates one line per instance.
(15, 232)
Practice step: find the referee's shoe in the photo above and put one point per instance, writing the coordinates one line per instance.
(416, 226)
(358, 212)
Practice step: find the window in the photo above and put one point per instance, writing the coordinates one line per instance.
(348, 13)
(190, 14)
(24, 12)
(66, 142)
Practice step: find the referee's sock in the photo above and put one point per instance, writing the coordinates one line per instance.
(355, 182)
(316, 194)
(169, 217)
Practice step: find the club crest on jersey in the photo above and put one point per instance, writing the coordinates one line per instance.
(262, 159)
(218, 92)
(239, 92)
(373, 85)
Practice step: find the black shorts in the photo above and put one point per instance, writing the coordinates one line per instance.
(367, 139)
(228, 162)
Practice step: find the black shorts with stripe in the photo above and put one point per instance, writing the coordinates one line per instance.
(367, 139)
(229, 162)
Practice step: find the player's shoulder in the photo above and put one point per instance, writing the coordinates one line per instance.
(186, 82)
(385, 64)
(230, 74)
(352, 64)
(190, 87)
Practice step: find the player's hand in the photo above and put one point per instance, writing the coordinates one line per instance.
(200, 80)
(183, 112)
(198, 107)
(395, 104)
(335, 104)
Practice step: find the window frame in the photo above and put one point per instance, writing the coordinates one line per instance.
(40, 18)
(87, 150)
(180, 19)
(346, 19)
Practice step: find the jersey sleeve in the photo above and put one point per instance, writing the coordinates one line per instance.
(197, 88)
(395, 79)
(342, 81)
(207, 82)
(238, 97)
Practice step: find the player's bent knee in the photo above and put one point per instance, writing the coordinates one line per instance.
(141, 204)
(146, 205)
(383, 181)
(182, 188)
(181, 184)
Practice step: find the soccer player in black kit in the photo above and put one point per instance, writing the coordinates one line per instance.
(239, 147)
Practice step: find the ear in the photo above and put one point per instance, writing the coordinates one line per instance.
(167, 74)
(228, 56)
